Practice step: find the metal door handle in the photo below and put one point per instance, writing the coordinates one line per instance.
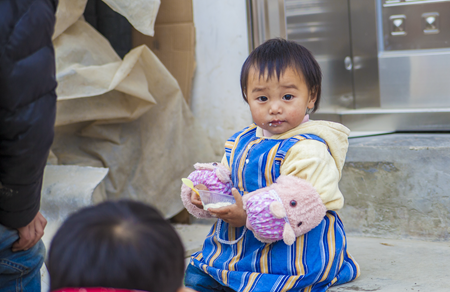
(348, 63)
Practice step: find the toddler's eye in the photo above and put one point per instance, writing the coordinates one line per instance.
(293, 203)
(288, 97)
(262, 98)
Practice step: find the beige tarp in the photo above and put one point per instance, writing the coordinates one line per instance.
(127, 115)
(140, 13)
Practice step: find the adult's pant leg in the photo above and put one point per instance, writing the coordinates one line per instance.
(19, 271)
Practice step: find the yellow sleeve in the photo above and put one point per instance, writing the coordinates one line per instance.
(310, 160)
(225, 161)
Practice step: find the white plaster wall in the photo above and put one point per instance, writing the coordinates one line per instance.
(221, 49)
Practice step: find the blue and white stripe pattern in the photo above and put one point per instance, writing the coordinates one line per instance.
(314, 262)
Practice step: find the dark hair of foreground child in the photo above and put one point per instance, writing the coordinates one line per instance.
(117, 244)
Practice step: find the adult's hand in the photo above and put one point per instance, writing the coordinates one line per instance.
(29, 235)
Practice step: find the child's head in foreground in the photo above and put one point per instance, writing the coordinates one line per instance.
(117, 244)
(281, 82)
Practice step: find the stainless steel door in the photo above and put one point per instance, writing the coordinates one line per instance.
(322, 26)
(366, 88)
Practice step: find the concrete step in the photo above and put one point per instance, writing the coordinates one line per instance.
(397, 185)
(389, 265)
(66, 189)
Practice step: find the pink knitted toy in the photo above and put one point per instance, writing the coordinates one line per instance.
(215, 176)
(284, 210)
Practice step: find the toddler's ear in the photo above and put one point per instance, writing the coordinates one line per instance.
(277, 209)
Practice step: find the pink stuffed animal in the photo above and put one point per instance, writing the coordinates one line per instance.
(215, 176)
(284, 210)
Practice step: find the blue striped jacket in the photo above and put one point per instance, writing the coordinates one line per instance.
(235, 258)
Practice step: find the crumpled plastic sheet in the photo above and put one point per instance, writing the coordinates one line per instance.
(126, 115)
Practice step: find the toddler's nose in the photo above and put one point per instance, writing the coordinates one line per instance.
(275, 108)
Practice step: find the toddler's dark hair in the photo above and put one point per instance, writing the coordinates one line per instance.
(117, 244)
(275, 56)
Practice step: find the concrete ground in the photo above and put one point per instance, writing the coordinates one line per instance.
(399, 265)
(386, 264)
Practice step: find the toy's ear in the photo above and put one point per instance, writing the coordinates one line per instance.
(223, 174)
(277, 209)
(288, 234)
(207, 166)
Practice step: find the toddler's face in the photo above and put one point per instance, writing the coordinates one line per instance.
(278, 106)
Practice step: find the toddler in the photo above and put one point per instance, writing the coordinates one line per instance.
(281, 82)
(116, 246)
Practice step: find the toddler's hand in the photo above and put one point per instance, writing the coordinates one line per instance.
(235, 214)
(195, 198)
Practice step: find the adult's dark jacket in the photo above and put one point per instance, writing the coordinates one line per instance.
(27, 105)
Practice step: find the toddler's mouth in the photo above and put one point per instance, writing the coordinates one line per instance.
(275, 123)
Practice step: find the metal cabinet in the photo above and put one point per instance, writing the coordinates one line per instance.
(385, 63)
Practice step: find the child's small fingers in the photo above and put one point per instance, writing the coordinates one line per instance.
(237, 197)
(201, 187)
(197, 202)
(219, 211)
(212, 211)
(195, 197)
(217, 215)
